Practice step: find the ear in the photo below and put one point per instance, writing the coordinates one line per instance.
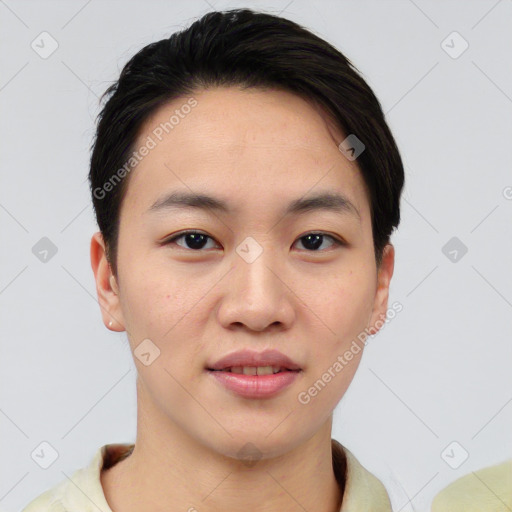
(380, 305)
(106, 286)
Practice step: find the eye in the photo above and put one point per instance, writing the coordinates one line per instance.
(315, 240)
(195, 240)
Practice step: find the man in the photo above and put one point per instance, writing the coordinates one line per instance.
(246, 185)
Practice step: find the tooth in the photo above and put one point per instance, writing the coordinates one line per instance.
(255, 370)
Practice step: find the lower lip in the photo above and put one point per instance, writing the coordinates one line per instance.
(255, 386)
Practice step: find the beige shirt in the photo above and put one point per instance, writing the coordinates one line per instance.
(362, 492)
(486, 490)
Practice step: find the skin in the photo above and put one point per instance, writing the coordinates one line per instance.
(258, 150)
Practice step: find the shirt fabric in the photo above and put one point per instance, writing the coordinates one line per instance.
(362, 491)
(485, 490)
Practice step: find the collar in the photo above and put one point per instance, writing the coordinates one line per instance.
(362, 491)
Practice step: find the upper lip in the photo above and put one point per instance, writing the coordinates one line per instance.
(253, 358)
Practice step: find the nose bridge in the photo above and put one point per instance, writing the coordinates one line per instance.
(255, 295)
(253, 264)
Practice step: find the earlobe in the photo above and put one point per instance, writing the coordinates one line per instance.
(106, 286)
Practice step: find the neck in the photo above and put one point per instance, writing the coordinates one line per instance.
(171, 470)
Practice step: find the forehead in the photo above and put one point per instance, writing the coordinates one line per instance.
(249, 143)
(231, 116)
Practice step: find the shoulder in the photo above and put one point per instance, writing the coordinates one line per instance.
(83, 490)
(363, 490)
(48, 501)
(482, 490)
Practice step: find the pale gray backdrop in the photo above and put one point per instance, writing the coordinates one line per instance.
(434, 386)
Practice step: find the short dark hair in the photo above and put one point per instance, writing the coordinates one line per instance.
(248, 49)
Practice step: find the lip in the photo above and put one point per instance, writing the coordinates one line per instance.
(253, 358)
(255, 386)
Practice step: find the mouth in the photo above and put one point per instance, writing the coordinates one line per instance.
(254, 370)
(250, 362)
(257, 375)
(254, 382)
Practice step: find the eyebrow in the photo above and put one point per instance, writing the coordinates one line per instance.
(328, 201)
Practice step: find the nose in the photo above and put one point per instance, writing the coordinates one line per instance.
(257, 296)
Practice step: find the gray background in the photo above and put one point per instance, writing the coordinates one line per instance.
(438, 373)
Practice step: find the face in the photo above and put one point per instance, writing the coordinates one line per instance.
(255, 275)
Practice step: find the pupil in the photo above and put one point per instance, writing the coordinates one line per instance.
(195, 240)
(317, 241)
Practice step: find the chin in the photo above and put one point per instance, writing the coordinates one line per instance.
(250, 446)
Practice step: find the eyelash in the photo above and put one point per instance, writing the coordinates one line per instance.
(168, 241)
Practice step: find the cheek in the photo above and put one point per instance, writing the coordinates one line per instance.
(155, 301)
(344, 306)
(165, 309)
